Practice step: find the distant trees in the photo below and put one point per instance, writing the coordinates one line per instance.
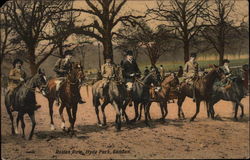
(31, 21)
(183, 16)
(219, 29)
(152, 42)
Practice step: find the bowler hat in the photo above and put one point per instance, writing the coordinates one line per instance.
(17, 60)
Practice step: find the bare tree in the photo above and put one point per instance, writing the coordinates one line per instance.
(219, 25)
(31, 20)
(9, 43)
(153, 43)
(182, 15)
(105, 17)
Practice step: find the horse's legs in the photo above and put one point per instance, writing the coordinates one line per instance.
(136, 111)
(61, 115)
(197, 110)
(146, 111)
(162, 111)
(118, 116)
(12, 123)
(242, 110)
(141, 106)
(125, 114)
(52, 127)
(74, 111)
(236, 111)
(208, 109)
(17, 123)
(180, 111)
(33, 121)
(22, 124)
(68, 109)
(165, 107)
(103, 113)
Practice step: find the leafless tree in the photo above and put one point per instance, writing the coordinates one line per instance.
(31, 20)
(104, 18)
(182, 15)
(219, 28)
(153, 43)
(9, 43)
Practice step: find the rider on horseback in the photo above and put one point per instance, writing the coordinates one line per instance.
(62, 68)
(107, 71)
(191, 71)
(130, 72)
(16, 77)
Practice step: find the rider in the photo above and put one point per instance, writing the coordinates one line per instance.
(130, 70)
(191, 71)
(162, 72)
(62, 68)
(229, 77)
(107, 71)
(16, 77)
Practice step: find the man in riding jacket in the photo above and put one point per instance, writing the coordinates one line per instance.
(16, 77)
(62, 67)
(191, 71)
(131, 71)
(107, 71)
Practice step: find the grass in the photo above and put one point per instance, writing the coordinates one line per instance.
(173, 66)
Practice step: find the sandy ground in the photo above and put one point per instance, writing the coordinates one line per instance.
(203, 138)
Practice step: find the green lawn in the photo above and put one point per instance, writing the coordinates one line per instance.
(173, 66)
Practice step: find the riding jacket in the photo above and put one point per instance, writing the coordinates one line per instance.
(130, 68)
(14, 78)
(62, 67)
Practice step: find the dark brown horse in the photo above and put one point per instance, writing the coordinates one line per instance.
(162, 97)
(203, 90)
(68, 95)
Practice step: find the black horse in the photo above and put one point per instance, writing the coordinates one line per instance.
(234, 93)
(140, 94)
(24, 101)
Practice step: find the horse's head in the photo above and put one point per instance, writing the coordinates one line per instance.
(40, 79)
(76, 74)
(219, 73)
(171, 80)
(153, 77)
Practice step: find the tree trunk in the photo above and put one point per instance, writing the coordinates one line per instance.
(186, 51)
(32, 61)
(107, 48)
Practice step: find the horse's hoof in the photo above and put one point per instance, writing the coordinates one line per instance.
(235, 119)
(191, 120)
(52, 127)
(133, 121)
(241, 116)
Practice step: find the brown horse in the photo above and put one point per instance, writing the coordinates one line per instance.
(68, 95)
(203, 90)
(169, 84)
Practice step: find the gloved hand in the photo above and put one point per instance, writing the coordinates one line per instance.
(21, 79)
(132, 74)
